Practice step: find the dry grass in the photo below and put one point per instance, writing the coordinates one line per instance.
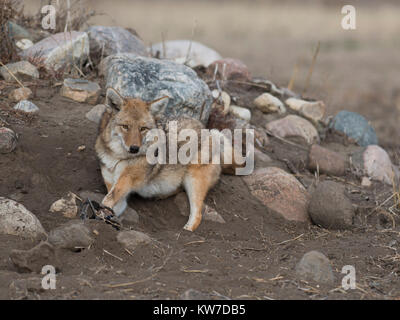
(8, 10)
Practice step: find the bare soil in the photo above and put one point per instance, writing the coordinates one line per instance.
(252, 256)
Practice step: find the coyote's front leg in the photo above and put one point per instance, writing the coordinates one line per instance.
(128, 181)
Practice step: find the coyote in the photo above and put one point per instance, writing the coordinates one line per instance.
(121, 147)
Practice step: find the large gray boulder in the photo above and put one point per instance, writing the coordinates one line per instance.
(112, 40)
(61, 50)
(149, 79)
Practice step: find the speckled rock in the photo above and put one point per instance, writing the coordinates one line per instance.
(191, 53)
(61, 50)
(149, 79)
(279, 191)
(355, 126)
(8, 140)
(15, 219)
(112, 40)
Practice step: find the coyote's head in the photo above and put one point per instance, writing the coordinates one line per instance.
(131, 121)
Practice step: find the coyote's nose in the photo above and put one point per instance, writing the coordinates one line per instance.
(133, 149)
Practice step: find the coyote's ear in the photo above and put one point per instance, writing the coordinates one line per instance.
(157, 100)
(114, 99)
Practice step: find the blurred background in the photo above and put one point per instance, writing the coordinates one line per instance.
(357, 70)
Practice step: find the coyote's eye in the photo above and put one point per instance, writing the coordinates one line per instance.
(124, 126)
(143, 129)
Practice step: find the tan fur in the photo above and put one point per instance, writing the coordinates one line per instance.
(124, 172)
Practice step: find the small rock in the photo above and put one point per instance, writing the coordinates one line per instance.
(377, 165)
(96, 113)
(60, 50)
(354, 126)
(190, 52)
(132, 239)
(19, 94)
(67, 206)
(330, 208)
(105, 41)
(326, 161)
(81, 148)
(229, 69)
(26, 106)
(130, 217)
(192, 294)
(311, 110)
(315, 266)
(268, 103)
(208, 213)
(73, 236)
(280, 192)
(149, 79)
(17, 220)
(81, 90)
(35, 259)
(8, 140)
(294, 126)
(23, 70)
(366, 182)
(240, 112)
(24, 44)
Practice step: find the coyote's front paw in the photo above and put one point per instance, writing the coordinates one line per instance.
(108, 202)
(189, 227)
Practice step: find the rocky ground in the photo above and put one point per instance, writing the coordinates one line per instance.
(323, 195)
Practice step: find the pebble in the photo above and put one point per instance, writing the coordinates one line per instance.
(19, 94)
(8, 140)
(268, 103)
(26, 106)
(133, 239)
(314, 265)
